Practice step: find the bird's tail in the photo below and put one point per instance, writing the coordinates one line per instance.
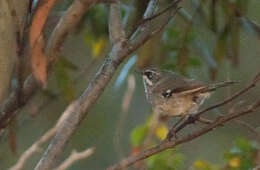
(215, 86)
(209, 88)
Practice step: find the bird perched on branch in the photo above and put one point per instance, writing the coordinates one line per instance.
(174, 95)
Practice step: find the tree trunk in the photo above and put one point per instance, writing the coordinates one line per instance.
(13, 14)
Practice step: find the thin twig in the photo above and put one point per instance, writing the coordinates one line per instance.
(74, 157)
(173, 5)
(166, 144)
(116, 30)
(37, 145)
(148, 19)
(65, 25)
(145, 31)
(176, 9)
(173, 143)
(250, 128)
(120, 50)
(226, 101)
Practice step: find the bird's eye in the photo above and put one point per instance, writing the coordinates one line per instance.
(168, 93)
(149, 74)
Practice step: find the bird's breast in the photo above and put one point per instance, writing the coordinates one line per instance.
(179, 105)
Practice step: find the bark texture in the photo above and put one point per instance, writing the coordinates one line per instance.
(13, 14)
(7, 48)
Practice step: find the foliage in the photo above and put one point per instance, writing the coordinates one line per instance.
(64, 82)
(204, 34)
(203, 165)
(138, 135)
(167, 160)
(180, 47)
(240, 156)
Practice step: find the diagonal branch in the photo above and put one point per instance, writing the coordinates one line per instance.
(120, 50)
(145, 31)
(116, 31)
(74, 157)
(11, 105)
(65, 25)
(36, 147)
(166, 144)
(91, 94)
(149, 18)
(228, 100)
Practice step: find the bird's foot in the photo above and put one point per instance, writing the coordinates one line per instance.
(171, 134)
(204, 120)
(192, 119)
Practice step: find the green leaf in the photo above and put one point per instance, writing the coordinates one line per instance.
(204, 165)
(63, 79)
(194, 61)
(167, 160)
(172, 33)
(89, 38)
(67, 64)
(138, 134)
(243, 152)
(97, 19)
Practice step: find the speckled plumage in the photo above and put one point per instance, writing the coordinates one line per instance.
(174, 95)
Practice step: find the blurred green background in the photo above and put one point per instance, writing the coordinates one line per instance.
(208, 40)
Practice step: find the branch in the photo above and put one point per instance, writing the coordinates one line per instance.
(166, 144)
(65, 25)
(250, 128)
(120, 50)
(173, 5)
(36, 146)
(91, 94)
(49, 134)
(145, 31)
(33, 149)
(74, 157)
(228, 100)
(167, 9)
(116, 31)
(11, 105)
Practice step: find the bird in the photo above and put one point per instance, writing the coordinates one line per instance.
(171, 94)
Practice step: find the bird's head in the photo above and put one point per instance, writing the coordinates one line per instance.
(151, 76)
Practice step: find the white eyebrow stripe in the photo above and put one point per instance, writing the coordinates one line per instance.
(168, 91)
(149, 82)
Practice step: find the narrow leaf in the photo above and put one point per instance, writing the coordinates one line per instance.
(38, 59)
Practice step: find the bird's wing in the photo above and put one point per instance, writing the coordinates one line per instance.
(178, 84)
(209, 88)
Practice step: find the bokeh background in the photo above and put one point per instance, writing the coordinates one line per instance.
(208, 40)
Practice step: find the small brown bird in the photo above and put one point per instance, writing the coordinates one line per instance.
(174, 95)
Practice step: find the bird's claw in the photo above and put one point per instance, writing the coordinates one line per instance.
(172, 133)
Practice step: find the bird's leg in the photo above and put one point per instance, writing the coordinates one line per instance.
(204, 120)
(179, 121)
(191, 118)
(172, 132)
